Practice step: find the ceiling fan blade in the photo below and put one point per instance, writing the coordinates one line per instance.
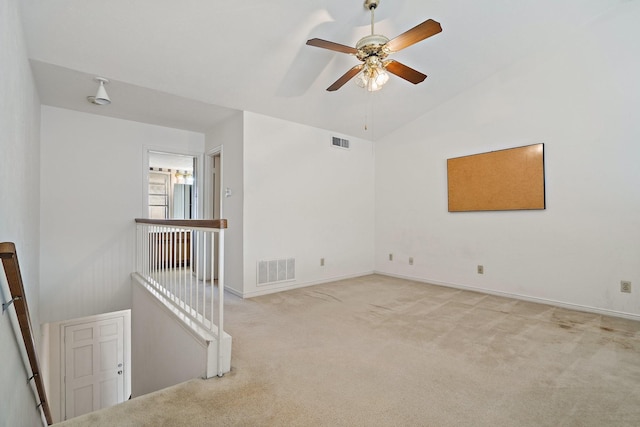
(332, 46)
(407, 73)
(418, 33)
(345, 78)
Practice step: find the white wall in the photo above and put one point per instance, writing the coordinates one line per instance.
(229, 136)
(307, 200)
(164, 352)
(91, 190)
(167, 351)
(19, 209)
(581, 98)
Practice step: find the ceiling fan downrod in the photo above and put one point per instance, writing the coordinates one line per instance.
(371, 5)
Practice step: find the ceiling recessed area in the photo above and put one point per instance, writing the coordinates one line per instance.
(190, 65)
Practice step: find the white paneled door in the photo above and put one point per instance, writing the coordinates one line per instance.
(94, 366)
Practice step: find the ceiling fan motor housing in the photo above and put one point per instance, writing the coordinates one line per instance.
(372, 45)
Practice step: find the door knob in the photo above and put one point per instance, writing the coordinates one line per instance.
(120, 372)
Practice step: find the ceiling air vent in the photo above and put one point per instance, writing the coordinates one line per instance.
(339, 142)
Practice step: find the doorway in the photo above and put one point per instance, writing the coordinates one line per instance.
(216, 176)
(94, 366)
(94, 363)
(171, 186)
(214, 195)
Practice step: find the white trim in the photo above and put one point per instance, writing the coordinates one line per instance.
(208, 190)
(233, 291)
(570, 306)
(273, 289)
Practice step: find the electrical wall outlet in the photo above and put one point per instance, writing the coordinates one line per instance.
(625, 286)
(321, 262)
(410, 260)
(481, 269)
(390, 257)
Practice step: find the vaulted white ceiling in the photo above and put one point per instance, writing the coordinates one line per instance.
(189, 64)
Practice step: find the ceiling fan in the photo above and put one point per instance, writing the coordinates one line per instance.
(373, 50)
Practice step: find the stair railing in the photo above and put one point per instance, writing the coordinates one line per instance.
(19, 302)
(184, 261)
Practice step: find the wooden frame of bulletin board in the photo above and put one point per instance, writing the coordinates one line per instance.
(511, 179)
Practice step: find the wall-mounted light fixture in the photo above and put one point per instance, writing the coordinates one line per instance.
(101, 97)
(184, 177)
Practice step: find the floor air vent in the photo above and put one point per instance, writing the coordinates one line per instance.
(276, 270)
(339, 142)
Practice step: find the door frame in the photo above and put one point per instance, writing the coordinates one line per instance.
(54, 340)
(209, 194)
(208, 182)
(199, 188)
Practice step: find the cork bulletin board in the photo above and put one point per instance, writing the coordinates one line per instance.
(511, 179)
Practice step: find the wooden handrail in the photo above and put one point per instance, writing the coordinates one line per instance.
(195, 223)
(14, 278)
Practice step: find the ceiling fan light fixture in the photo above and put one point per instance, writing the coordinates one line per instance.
(380, 76)
(373, 75)
(372, 79)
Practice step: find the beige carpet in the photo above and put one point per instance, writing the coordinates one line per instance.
(379, 351)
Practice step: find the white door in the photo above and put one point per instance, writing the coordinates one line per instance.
(94, 366)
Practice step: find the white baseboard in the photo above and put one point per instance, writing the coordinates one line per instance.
(233, 291)
(555, 303)
(291, 286)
